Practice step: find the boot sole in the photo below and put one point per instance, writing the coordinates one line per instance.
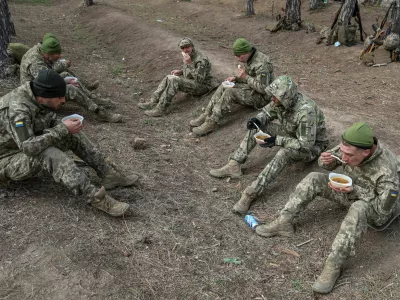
(226, 175)
(279, 233)
(120, 214)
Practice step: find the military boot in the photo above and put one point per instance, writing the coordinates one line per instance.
(146, 105)
(198, 121)
(158, 111)
(231, 169)
(104, 102)
(207, 127)
(114, 178)
(280, 226)
(92, 85)
(108, 204)
(242, 206)
(326, 281)
(104, 115)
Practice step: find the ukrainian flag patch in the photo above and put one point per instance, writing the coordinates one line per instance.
(394, 193)
(19, 124)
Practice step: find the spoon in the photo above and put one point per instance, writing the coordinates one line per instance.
(339, 159)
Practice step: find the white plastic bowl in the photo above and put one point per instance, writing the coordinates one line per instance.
(68, 78)
(228, 84)
(260, 136)
(74, 116)
(340, 176)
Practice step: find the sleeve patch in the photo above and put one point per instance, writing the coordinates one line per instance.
(390, 200)
(264, 78)
(22, 131)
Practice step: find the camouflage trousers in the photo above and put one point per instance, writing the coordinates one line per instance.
(171, 85)
(354, 224)
(223, 98)
(57, 163)
(282, 158)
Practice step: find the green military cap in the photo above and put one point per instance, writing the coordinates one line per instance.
(359, 135)
(241, 46)
(186, 42)
(51, 44)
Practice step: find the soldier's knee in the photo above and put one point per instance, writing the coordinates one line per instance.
(315, 176)
(72, 91)
(54, 153)
(65, 74)
(358, 206)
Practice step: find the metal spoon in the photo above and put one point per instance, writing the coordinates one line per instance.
(339, 159)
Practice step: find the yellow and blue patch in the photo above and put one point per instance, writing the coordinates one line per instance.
(19, 124)
(394, 193)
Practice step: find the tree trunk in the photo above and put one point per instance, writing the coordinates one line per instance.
(89, 2)
(250, 8)
(347, 12)
(6, 31)
(293, 14)
(395, 17)
(314, 4)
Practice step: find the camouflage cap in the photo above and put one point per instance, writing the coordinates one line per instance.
(185, 42)
(284, 89)
(359, 135)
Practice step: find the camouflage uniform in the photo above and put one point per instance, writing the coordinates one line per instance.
(33, 61)
(249, 91)
(32, 140)
(301, 134)
(196, 80)
(376, 187)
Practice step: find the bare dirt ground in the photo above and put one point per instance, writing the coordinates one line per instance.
(54, 246)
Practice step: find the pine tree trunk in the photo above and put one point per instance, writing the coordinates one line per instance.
(89, 2)
(395, 17)
(347, 11)
(293, 14)
(250, 8)
(6, 31)
(314, 4)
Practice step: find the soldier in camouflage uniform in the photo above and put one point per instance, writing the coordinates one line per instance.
(300, 133)
(194, 78)
(371, 199)
(46, 55)
(32, 140)
(255, 74)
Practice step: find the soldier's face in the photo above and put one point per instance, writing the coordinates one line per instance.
(353, 156)
(52, 58)
(243, 57)
(187, 49)
(52, 103)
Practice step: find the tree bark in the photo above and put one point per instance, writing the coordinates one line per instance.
(250, 8)
(395, 17)
(314, 4)
(7, 30)
(293, 14)
(347, 12)
(89, 2)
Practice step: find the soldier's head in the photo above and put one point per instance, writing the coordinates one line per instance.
(49, 89)
(284, 91)
(186, 45)
(358, 143)
(242, 49)
(51, 48)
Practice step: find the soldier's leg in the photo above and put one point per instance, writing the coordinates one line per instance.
(353, 225)
(214, 99)
(75, 94)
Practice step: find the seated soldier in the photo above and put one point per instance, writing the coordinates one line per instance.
(194, 78)
(32, 140)
(255, 74)
(371, 199)
(300, 133)
(46, 55)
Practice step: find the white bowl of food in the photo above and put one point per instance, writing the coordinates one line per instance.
(228, 84)
(340, 180)
(260, 136)
(73, 117)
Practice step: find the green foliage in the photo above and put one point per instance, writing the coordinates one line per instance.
(297, 284)
(116, 71)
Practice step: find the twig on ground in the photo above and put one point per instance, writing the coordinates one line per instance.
(303, 243)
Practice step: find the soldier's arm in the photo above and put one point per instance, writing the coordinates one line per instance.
(335, 163)
(60, 66)
(21, 128)
(36, 67)
(305, 133)
(268, 113)
(200, 70)
(262, 80)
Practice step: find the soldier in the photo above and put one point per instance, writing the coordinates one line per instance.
(301, 135)
(46, 55)
(32, 140)
(194, 78)
(371, 199)
(255, 74)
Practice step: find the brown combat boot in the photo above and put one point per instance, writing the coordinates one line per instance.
(231, 169)
(104, 115)
(92, 85)
(280, 226)
(326, 281)
(207, 127)
(104, 102)
(242, 206)
(108, 204)
(115, 179)
(146, 105)
(198, 121)
(158, 111)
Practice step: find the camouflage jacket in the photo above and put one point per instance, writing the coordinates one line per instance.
(26, 125)
(375, 180)
(303, 122)
(259, 72)
(33, 61)
(199, 70)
